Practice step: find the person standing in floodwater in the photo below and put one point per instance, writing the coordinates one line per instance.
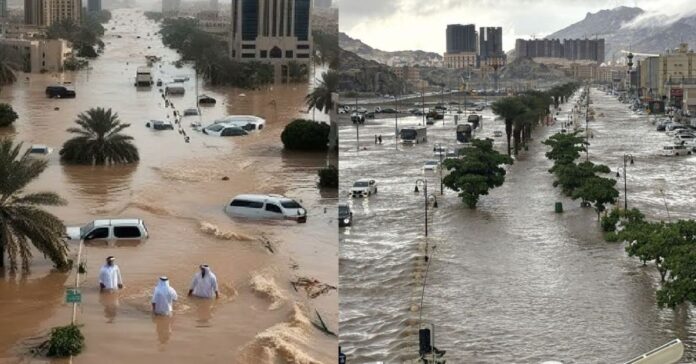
(110, 276)
(380, 138)
(204, 283)
(163, 297)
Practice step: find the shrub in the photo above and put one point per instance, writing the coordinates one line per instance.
(305, 135)
(65, 341)
(328, 177)
(7, 115)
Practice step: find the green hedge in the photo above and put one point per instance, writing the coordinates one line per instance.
(306, 135)
(7, 115)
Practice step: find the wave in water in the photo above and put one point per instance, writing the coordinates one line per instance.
(265, 284)
(283, 342)
(215, 231)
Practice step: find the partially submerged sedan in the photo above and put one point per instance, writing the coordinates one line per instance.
(224, 130)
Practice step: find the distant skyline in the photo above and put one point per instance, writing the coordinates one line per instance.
(392, 25)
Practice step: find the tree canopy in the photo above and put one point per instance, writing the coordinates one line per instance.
(476, 172)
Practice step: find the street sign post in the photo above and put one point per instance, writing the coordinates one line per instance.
(73, 295)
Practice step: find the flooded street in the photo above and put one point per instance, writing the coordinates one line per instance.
(511, 281)
(179, 191)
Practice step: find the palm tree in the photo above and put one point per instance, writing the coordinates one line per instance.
(99, 140)
(9, 65)
(320, 97)
(512, 110)
(22, 220)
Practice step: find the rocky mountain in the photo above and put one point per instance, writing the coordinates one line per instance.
(357, 74)
(625, 28)
(398, 58)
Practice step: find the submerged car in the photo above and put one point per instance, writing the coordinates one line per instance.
(60, 92)
(109, 230)
(206, 100)
(345, 216)
(430, 166)
(40, 149)
(160, 125)
(224, 130)
(266, 207)
(191, 112)
(363, 188)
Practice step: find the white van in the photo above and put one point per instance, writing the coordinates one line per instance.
(672, 150)
(266, 207)
(109, 230)
(246, 122)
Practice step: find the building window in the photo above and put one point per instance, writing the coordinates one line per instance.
(248, 46)
(303, 46)
(250, 19)
(302, 20)
(264, 54)
(302, 55)
(288, 54)
(276, 53)
(248, 55)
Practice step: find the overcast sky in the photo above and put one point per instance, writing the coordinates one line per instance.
(420, 24)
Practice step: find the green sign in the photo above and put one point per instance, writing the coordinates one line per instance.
(73, 295)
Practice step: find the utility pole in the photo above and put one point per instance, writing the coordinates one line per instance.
(357, 125)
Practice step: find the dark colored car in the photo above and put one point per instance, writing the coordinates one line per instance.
(206, 100)
(389, 111)
(370, 115)
(60, 92)
(345, 216)
(357, 118)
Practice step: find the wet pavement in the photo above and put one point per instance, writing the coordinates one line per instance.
(178, 189)
(510, 281)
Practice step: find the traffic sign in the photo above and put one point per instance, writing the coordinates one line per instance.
(73, 295)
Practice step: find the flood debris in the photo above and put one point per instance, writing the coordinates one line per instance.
(313, 287)
(321, 325)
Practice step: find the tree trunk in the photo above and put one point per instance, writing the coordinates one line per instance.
(517, 137)
(508, 131)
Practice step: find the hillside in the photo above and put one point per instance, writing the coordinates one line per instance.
(365, 76)
(625, 28)
(398, 58)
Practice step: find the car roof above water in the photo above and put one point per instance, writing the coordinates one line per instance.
(110, 222)
(261, 197)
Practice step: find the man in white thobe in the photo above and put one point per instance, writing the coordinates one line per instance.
(110, 276)
(163, 298)
(204, 283)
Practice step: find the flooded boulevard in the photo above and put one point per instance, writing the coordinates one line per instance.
(512, 281)
(179, 190)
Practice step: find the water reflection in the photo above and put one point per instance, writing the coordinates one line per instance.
(204, 310)
(163, 325)
(110, 302)
(100, 185)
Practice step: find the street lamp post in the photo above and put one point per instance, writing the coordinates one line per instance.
(439, 149)
(626, 158)
(424, 183)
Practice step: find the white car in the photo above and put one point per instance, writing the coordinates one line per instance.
(431, 166)
(224, 130)
(363, 188)
(676, 150)
(246, 122)
(266, 207)
(109, 230)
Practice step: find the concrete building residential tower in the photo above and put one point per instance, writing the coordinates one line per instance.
(44, 13)
(491, 47)
(275, 31)
(462, 46)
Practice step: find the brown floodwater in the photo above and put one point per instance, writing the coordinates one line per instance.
(178, 189)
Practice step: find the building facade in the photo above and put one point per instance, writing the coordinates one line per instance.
(572, 49)
(275, 31)
(3, 9)
(44, 13)
(45, 55)
(461, 38)
(461, 60)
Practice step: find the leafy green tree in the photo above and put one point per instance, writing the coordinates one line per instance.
(510, 109)
(476, 172)
(303, 134)
(571, 176)
(99, 140)
(298, 72)
(22, 218)
(599, 191)
(7, 115)
(565, 147)
(320, 97)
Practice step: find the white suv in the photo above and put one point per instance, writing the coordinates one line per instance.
(363, 188)
(109, 230)
(266, 207)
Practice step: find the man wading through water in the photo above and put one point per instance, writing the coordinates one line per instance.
(110, 276)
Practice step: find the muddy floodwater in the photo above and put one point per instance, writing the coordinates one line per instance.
(512, 281)
(179, 191)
